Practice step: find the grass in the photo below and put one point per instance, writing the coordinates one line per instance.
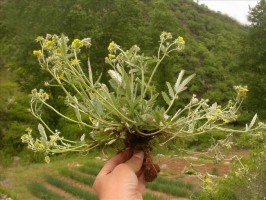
(28, 181)
(7, 192)
(88, 180)
(148, 196)
(88, 170)
(40, 191)
(70, 188)
(174, 187)
(23, 175)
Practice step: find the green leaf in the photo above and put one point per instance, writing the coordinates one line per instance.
(170, 89)
(166, 98)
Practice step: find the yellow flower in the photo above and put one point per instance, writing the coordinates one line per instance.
(39, 38)
(28, 129)
(211, 118)
(208, 180)
(75, 62)
(46, 96)
(245, 89)
(24, 136)
(111, 56)
(61, 75)
(37, 53)
(39, 145)
(111, 45)
(77, 43)
(48, 44)
(164, 33)
(208, 187)
(180, 39)
(219, 110)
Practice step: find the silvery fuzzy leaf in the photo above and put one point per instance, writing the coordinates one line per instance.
(170, 89)
(42, 131)
(82, 137)
(90, 72)
(115, 75)
(110, 142)
(252, 121)
(177, 83)
(184, 83)
(118, 67)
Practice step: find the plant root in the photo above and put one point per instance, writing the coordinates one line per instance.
(138, 143)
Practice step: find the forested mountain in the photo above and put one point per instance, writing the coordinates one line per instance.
(212, 44)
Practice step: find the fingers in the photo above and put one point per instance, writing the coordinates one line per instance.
(142, 183)
(136, 161)
(113, 162)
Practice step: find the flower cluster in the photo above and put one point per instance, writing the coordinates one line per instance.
(241, 91)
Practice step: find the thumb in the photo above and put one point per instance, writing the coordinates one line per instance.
(136, 161)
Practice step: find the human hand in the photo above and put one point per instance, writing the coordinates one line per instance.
(121, 178)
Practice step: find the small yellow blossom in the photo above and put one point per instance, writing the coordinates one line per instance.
(61, 75)
(226, 120)
(37, 53)
(208, 187)
(111, 45)
(180, 39)
(46, 96)
(208, 180)
(28, 129)
(24, 136)
(39, 145)
(164, 33)
(77, 43)
(219, 110)
(243, 91)
(48, 44)
(75, 62)
(111, 56)
(39, 38)
(211, 118)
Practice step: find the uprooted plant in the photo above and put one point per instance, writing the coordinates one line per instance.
(125, 108)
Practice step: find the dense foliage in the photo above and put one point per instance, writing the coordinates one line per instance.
(253, 59)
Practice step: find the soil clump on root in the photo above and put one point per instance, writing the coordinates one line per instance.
(138, 143)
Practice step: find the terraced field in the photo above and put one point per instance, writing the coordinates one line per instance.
(74, 182)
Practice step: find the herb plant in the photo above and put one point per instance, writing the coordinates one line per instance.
(126, 108)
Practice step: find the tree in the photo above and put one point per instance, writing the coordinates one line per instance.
(253, 59)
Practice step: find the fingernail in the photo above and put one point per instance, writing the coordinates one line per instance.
(139, 154)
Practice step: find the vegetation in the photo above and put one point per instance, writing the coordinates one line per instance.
(164, 185)
(252, 59)
(221, 53)
(70, 188)
(211, 38)
(40, 191)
